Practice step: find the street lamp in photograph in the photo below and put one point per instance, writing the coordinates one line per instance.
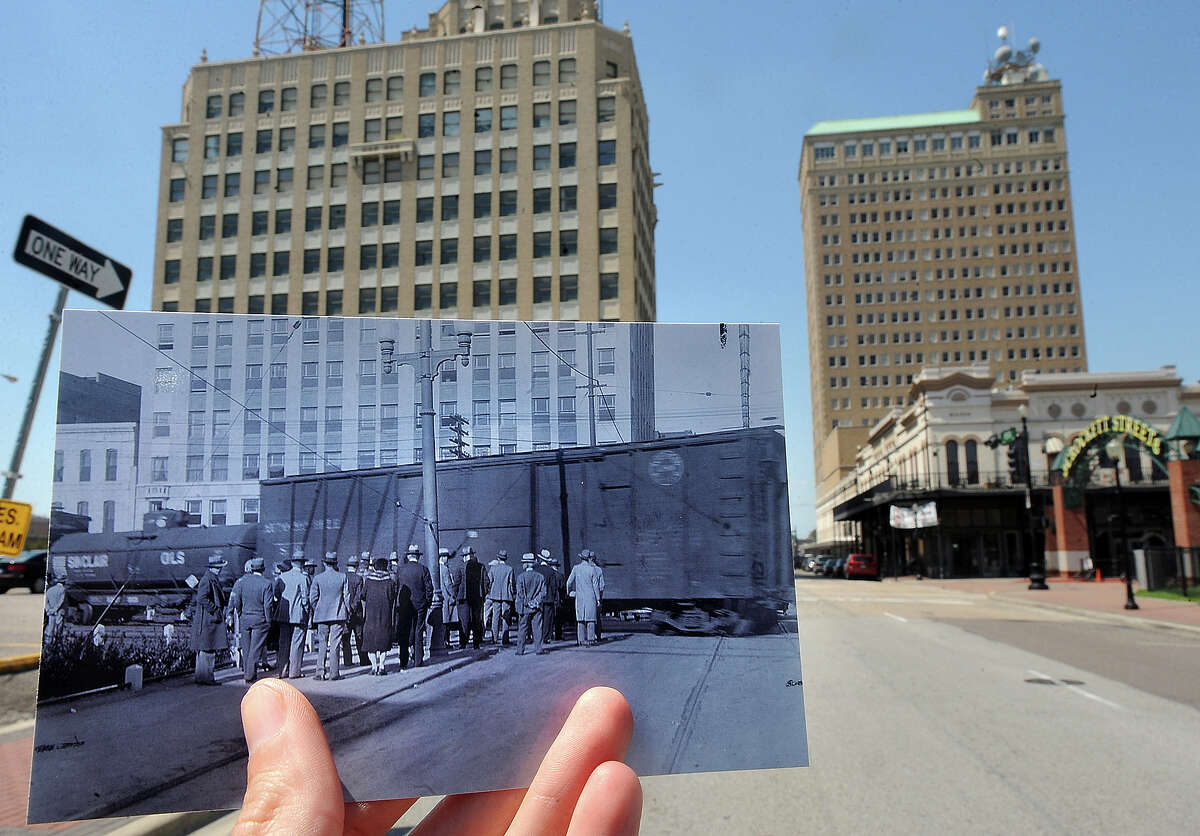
(1114, 448)
(1037, 559)
(426, 363)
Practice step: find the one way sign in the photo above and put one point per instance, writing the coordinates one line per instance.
(71, 262)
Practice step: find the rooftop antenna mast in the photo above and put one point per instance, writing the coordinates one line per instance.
(308, 25)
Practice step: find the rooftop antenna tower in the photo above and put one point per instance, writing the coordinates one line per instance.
(1014, 66)
(308, 25)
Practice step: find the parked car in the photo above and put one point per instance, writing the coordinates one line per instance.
(839, 567)
(862, 566)
(810, 563)
(28, 569)
(825, 566)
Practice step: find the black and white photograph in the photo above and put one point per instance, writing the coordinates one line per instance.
(441, 532)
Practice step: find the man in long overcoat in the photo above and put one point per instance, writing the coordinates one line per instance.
(414, 592)
(530, 593)
(250, 603)
(552, 600)
(291, 611)
(208, 621)
(475, 581)
(584, 586)
(354, 622)
(329, 601)
(454, 595)
(500, 595)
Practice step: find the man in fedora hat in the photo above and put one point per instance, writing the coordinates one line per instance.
(500, 595)
(547, 568)
(291, 611)
(251, 602)
(475, 582)
(530, 592)
(209, 633)
(414, 592)
(584, 587)
(354, 621)
(329, 602)
(454, 595)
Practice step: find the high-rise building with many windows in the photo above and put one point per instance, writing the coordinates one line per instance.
(937, 239)
(493, 165)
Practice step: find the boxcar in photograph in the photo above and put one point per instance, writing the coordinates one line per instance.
(694, 528)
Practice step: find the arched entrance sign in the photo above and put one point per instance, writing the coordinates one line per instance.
(1097, 433)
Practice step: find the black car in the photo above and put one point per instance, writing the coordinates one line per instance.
(27, 570)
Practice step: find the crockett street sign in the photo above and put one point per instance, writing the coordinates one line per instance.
(69, 261)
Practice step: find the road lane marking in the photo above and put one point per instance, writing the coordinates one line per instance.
(1077, 690)
(897, 617)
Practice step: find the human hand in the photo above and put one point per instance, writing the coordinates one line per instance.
(581, 787)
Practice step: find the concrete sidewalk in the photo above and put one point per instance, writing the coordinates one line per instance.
(1100, 599)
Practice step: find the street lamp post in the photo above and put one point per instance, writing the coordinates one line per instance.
(426, 363)
(1114, 448)
(1037, 560)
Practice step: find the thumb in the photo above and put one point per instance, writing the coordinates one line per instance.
(292, 784)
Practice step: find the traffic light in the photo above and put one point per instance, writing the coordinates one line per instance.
(1016, 464)
(993, 441)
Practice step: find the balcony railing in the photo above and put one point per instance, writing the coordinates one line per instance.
(401, 147)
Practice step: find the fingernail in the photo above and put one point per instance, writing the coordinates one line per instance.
(263, 714)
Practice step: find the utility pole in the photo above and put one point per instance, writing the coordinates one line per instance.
(744, 362)
(458, 432)
(14, 469)
(426, 363)
(591, 385)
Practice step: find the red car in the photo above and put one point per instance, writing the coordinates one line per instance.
(862, 566)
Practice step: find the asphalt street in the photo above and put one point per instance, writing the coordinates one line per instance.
(933, 710)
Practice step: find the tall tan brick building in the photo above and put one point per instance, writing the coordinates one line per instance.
(492, 165)
(937, 239)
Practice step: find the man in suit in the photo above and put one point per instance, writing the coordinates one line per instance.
(583, 586)
(329, 601)
(208, 621)
(475, 580)
(250, 602)
(454, 596)
(414, 592)
(500, 594)
(530, 593)
(354, 622)
(291, 611)
(545, 568)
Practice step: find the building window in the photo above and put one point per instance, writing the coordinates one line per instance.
(541, 289)
(449, 251)
(228, 266)
(566, 112)
(566, 71)
(175, 190)
(541, 157)
(237, 103)
(422, 297)
(280, 265)
(283, 221)
(566, 198)
(606, 109)
(427, 84)
(208, 186)
(391, 256)
(337, 175)
(266, 101)
(204, 269)
(171, 271)
(425, 167)
(483, 79)
(287, 140)
(541, 114)
(250, 509)
(451, 123)
(85, 465)
(262, 142)
(971, 448)
(450, 164)
(335, 259)
(395, 88)
(81, 508)
(312, 262)
(451, 82)
(423, 253)
(229, 225)
(568, 242)
(212, 107)
(508, 291)
(609, 286)
(341, 134)
(195, 469)
(287, 99)
(483, 205)
(508, 118)
(217, 510)
(951, 462)
(158, 469)
(218, 470)
(566, 155)
(110, 515)
(448, 295)
(608, 240)
(482, 250)
(312, 218)
(207, 227)
(508, 247)
(508, 76)
(542, 248)
(568, 288)
(341, 93)
(481, 293)
(606, 152)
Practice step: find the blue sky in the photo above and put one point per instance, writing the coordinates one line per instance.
(85, 88)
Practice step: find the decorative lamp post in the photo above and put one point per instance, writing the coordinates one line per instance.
(1037, 560)
(426, 363)
(1114, 448)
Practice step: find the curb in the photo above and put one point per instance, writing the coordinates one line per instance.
(17, 664)
(1101, 615)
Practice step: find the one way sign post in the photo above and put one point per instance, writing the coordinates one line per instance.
(71, 262)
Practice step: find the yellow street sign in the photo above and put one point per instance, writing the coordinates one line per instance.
(14, 525)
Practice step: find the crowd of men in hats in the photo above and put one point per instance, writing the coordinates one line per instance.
(378, 604)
